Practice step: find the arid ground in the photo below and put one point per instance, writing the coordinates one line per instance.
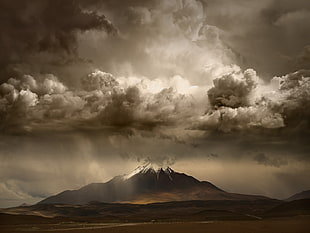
(267, 216)
(299, 224)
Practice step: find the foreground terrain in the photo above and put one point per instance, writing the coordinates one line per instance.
(299, 224)
(186, 216)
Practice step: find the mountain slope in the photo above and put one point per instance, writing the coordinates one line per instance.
(299, 196)
(177, 210)
(147, 184)
(292, 208)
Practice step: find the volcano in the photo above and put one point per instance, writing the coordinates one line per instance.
(147, 184)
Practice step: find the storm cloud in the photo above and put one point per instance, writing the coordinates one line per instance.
(268, 34)
(233, 103)
(38, 35)
(96, 84)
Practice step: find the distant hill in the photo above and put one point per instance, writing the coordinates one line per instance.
(292, 208)
(164, 211)
(147, 184)
(15, 219)
(298, 196)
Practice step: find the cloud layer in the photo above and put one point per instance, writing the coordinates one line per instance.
(95, 84)
(236, 101)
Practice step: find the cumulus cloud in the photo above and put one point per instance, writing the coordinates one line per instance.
(296, 96)
(234, 89)
(102, 99)
(234, 103)
(228, 119)
(238, 105)
(26, 99)
(98, 80)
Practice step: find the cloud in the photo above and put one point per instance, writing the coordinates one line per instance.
(238, 101)
(44, 33)
(25, 100)
(228, 119)
(101, 100)
(158, 39)
(295, 106)
(233, 90)
(302, 60)
(98, 80)
(237, 104)
(261, 158)
(246, 23)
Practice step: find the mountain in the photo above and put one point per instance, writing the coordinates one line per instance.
(291, 208)
(147, 184)
(298, 196)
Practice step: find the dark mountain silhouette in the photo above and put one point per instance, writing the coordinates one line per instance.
(197, 210)
(292, 208)
(299, 196)
(147, 184)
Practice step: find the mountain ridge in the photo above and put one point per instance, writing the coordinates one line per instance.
(147, 184)
(298, 196)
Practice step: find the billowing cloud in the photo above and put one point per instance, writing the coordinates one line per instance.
(246, 24)
(102, 99)
(158, 39)
(235, 102)
(238, 106)
(98, 80)
(295, 88)
(233, 90)
(95, 84)
(228, 119)
(37, 34)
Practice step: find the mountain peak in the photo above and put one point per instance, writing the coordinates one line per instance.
(149, 167)
(147, 183)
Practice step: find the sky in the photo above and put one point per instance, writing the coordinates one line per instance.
(217, 89)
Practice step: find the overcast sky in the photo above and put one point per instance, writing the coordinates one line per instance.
(217, 89)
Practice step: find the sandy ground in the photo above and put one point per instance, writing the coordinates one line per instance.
(287, 225)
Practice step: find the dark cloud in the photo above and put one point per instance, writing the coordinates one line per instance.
(268, 33)
(261, 158)
(237, 102)
(121, 110)
(25, 100)
(29, 103)
(302, 60)
(158, 39)
(36, 32)
(233, 90)
(295, 106)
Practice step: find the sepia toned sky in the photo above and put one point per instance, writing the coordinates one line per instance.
(217, 89)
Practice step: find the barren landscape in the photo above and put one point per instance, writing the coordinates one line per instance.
(284, 225)
(188, 216)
